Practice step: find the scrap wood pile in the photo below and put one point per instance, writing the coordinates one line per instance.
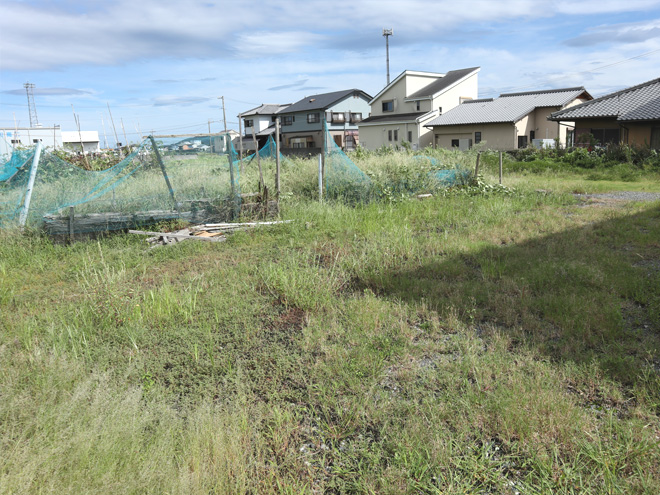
(211, 232)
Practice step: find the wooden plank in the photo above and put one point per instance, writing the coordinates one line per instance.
(91, 222)
(178, 236)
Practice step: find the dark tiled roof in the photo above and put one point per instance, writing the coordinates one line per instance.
(440, 84)
(397, 117)
(265, 109)
(641, 102)
(323, 101)
(507, 108)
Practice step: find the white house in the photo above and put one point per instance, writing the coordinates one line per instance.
(401, 110)
(89, 139)
(260, 119)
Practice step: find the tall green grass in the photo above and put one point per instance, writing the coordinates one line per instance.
(495, 343)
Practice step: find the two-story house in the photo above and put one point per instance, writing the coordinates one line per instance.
(261, 120)
(302, 122)
(400, 111)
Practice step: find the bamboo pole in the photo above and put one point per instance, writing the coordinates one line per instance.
(234, 198)
(500, 167)
(476, 168)
(256, 150)
(162, 168)
(82, 147)
(121, 151)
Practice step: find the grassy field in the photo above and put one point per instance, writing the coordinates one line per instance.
(497, 343)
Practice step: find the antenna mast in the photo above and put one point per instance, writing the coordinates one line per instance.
(29, 89)
(387, 33)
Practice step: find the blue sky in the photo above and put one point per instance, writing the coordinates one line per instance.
(161, 65)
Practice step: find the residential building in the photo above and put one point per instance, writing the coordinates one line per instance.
(302, 122)
(400, 111)
(260, 119)
(28, 136)
(630, 116)
(512, 121)
(88, 139)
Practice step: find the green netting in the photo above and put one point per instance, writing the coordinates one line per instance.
(343, 178)
(14, 174)
(132, 193)
(387, 176)
(267, 152)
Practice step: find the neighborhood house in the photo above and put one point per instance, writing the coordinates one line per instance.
(630, 116)
(401, 110)
(302, 122)
(512, 121)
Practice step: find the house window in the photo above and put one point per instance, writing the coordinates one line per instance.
(396, 134)
(522, 142)
(454, 143)
(655, 138)
(15, 141)
(288, 120)
(337, 117)
(301, 142)
(418, 105)
(248, 123)
(313, 118)
(356, 117)
(389, 135)
(410, 136)
(532, 135)
(606, 136)
(388, 106)
(477, 137)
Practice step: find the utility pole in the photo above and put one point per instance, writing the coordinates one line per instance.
(210, 139)
(387, 33)
(224, 115)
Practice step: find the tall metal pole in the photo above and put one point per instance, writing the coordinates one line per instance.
(277, 158)
(387, 33)
(22, 219)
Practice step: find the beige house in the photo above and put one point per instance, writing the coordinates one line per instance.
(401, 110)
(630, 116)
(512, 121)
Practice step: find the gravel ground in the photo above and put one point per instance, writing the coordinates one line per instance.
(622, 196)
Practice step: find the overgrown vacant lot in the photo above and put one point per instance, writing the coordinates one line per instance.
(462, 344)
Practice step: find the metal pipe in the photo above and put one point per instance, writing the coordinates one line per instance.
(320, 178)
(22, 219)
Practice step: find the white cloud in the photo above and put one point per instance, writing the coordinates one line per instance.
(56, 34)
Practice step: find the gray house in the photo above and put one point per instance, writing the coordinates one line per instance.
(302, 122)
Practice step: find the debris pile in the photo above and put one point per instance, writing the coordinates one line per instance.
(211, 232)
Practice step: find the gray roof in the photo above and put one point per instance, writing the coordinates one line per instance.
(265, 109)
(508, 108)
(442, 83)
(323, 101)
(637, 103)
